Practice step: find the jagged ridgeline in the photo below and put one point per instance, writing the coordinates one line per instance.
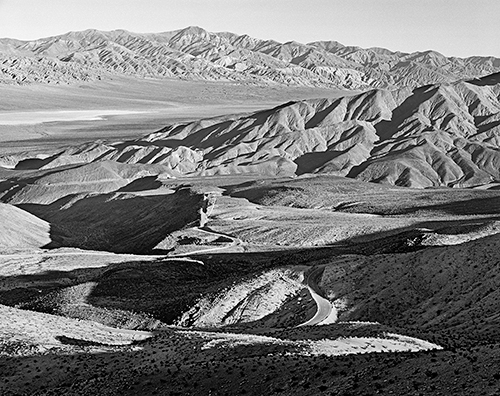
(435, 135)
(195, 54)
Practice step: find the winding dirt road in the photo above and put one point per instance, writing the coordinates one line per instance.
(203, 228)
(324, 307)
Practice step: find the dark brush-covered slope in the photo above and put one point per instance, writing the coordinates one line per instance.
(195, 54)
(450, 289)
(435, 135)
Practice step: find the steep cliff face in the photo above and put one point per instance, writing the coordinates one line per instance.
(195, 54)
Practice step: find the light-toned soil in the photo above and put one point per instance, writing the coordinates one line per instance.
(33, 262)
(287, 226)
(344, 346)
(37, 332)
(246, 301)
(20, 229)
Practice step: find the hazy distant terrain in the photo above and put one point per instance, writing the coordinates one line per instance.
(39, 116)
(132, 84)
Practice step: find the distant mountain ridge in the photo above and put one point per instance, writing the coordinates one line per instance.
(195, 54)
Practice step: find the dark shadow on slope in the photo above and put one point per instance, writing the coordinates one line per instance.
(402, 240)
(161, 289)
(485, 127)
(165, 289)
(12, 185)
(10, 188)
(99, 177)
(219, 132)
(321, 115)
(262, 116)
(145, 183)
(386, 129)
(470, 207)
(118, 222)
(310, 162)
(196, 139)
(34, 163)
(491, 79)
(353, 196)
(150, 156)
(78, 342)
(22, 289)
(399, 156)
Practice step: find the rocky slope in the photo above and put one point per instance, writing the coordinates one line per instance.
(435, 135)
(449, 289)
(193, 53)
(246, 301)
(95, 177)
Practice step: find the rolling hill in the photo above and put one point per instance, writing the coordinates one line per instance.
(435, 135)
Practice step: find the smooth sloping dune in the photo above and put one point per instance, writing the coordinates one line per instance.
(22, 230)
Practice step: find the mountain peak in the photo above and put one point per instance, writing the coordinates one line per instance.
(194, 30)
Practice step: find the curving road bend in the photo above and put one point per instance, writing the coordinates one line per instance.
(203, 228)
(324, 307)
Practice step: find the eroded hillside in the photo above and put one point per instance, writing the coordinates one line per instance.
(195, 54)
(435, 135)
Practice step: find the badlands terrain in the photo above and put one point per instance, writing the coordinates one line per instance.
(194, 213)
(194, 53)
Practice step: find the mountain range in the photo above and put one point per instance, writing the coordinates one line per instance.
(195, 54)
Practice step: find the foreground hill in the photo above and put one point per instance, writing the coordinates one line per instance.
(449, 290)
(435, 135)
(51, 354)
(195, 54)
(253, 287)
